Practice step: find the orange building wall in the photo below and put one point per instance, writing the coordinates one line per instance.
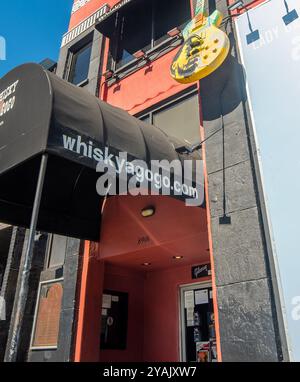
(157, 84)
(137, 92)
(145, 88)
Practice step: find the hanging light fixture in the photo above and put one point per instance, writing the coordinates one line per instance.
(148, 212)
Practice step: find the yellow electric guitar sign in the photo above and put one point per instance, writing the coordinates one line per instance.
(205, 47)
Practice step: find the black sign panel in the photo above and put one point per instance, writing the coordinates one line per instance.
(25, 111)
(199, 271)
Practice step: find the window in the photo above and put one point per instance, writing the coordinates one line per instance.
(57, 246)
(179, 119)
(80, 64)
(135, 34)
(146, 27)
(168, 15)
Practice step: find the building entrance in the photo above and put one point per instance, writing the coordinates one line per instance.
(136, 277)
(148, 317)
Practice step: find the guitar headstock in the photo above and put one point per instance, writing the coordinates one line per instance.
(197, 21)
(201, 19)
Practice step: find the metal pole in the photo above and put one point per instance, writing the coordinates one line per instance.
(24, 273)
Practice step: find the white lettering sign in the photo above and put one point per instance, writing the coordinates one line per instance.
(7, 98)
(79, 4)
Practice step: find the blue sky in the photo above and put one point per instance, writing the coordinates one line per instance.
(32, 29)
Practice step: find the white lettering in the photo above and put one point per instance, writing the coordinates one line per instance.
(163, 176)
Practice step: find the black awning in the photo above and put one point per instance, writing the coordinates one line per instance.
(40, 113)
(107, 23)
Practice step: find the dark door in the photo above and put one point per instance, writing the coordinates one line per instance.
(199, 342)
(114, 320)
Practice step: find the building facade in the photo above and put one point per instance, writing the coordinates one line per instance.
(183, 283)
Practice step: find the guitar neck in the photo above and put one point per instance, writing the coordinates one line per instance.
(200, 6)
(199, 12)
(198, 19)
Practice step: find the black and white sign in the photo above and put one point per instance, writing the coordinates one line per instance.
(79, 4)
(201, 271)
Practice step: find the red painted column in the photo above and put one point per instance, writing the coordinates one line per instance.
(87, 345)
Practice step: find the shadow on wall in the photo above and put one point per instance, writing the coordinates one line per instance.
(224, 90)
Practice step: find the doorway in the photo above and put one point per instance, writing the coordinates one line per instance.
(146, 260)
(197, 324)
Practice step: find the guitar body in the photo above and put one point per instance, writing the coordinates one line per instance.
(204, 50)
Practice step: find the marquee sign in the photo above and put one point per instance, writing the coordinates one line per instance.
(205, 47)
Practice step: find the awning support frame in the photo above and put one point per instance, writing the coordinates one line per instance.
(20, 301)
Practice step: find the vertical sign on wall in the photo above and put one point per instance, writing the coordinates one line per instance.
(271, 64)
